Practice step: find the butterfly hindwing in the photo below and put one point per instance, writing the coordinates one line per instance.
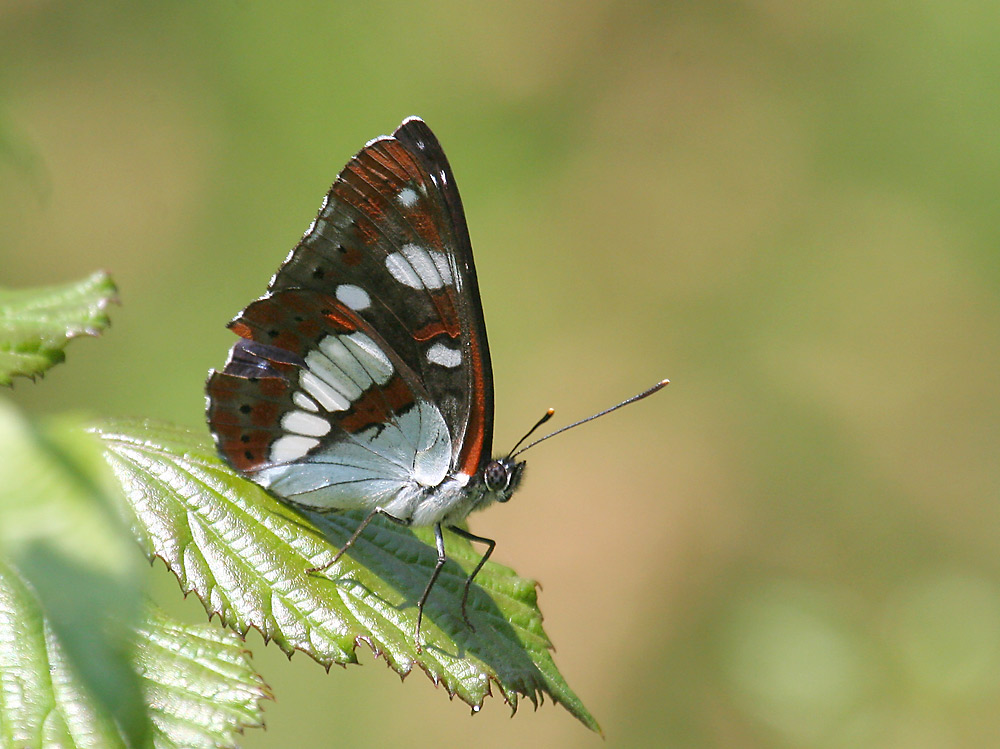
(245, 401)
(314, 405)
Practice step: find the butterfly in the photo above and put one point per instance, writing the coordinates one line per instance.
(362, 378)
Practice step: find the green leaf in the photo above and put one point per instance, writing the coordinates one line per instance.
(61, 530)
(42, 701)
(246, 555)
(70, 600)
(36, 324)
(199, 684)
(196, 680)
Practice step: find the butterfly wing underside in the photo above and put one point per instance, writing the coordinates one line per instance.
(366, 366)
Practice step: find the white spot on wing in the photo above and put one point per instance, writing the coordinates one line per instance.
(329, 398)
(423, 264)
(339, 367)
(353, 296)
(291, 447)
(301, 422)
(441, 263)
(302, 400)
(407, 197)
(374, 360)
(402, 271)
(444, 356)
(419, 268)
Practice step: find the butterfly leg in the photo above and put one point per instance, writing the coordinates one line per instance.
(439, 541)
(354, 537)
(491, 544)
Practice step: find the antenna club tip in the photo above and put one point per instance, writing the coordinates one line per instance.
(550, 412)
(655, 389)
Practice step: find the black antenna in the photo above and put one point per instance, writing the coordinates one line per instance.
(644, 394)
(548, 415)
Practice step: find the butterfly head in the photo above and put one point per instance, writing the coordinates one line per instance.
(502, 477)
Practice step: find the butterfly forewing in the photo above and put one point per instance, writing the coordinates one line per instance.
(478, 372)
(391, 244)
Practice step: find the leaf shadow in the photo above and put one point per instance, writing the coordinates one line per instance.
(404, 561)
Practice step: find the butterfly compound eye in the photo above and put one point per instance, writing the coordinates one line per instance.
(496, 476)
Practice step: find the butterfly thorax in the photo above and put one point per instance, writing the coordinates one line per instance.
(459, 495)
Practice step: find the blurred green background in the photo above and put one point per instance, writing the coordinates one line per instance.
(789, 208)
